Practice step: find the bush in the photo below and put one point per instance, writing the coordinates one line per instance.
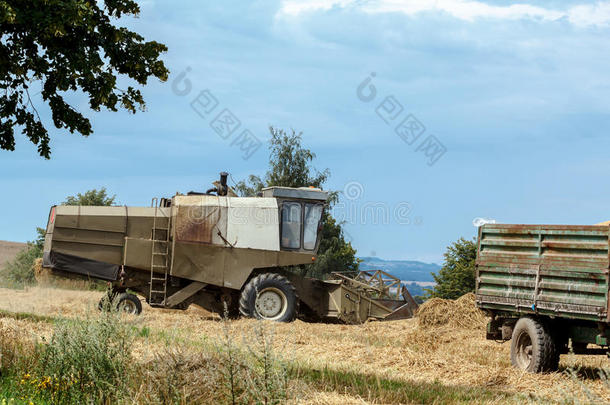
(20, 271)
(85, 361)
(88, 360)
(457, 276)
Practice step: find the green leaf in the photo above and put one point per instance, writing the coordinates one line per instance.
(69, 45)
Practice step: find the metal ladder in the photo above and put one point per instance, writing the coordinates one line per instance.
(159, 261)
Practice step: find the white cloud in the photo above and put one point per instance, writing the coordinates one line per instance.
(597, 14)
(296, 7)
(581, 15)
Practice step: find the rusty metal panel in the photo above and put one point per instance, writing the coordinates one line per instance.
(201, 219)
(559, 270)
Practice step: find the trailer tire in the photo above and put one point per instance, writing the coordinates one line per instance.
(128, 303)
(533, 347)
(269, 296)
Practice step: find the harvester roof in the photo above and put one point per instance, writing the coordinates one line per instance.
(306, 193)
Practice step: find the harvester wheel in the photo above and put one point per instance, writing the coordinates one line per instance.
(106, 301)
(269, 296)
(128, 303)
(533, 347)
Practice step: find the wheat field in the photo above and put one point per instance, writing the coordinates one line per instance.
(451, 356)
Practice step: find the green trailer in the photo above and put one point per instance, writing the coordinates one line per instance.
(546, 288)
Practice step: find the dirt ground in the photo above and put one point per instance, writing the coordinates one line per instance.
(398, 350)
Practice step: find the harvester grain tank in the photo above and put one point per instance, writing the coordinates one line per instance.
(546, 287)
(219, 251)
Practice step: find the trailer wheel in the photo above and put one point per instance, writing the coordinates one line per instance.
(269, 296)
(128, 303)
(532, 347)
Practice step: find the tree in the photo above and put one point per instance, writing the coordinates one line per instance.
(69, 46)
(290, 166)
(334, 253)
(20, 271)
(457, 276)
(91, 197)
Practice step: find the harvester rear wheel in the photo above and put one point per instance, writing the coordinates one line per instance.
(269, 296)
(123, 302)
(128, 303)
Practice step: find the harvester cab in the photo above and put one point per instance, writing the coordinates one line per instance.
(222, 252)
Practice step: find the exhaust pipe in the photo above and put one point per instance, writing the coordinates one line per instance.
(223, 189)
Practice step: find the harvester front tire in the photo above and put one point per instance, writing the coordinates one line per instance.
(269, 296)
(532, 347)
(128, 303)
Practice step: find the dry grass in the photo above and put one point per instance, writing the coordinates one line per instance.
(49, 301)
(399, 354)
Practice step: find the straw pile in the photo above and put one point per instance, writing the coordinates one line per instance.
(460, 313)
(43, 276)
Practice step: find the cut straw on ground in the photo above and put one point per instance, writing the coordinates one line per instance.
(442, 353)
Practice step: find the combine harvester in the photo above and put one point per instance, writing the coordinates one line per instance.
(218, 251)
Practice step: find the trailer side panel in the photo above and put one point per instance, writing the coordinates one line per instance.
(554, 270)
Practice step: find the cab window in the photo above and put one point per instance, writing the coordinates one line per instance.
(291, 225)
(313, 213)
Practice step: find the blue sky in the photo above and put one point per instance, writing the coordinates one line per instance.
(518, 95)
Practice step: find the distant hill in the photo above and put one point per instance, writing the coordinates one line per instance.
(8, 250)
(403, 269)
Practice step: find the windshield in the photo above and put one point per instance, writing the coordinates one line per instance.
(291, 225)
(313, 213)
